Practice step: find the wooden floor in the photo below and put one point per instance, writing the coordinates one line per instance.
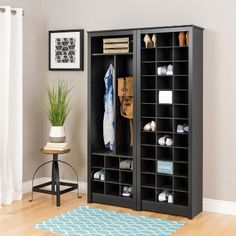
(18, 218)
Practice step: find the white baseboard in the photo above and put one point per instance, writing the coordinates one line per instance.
(27, 186)
(211, 205)
(219, 206)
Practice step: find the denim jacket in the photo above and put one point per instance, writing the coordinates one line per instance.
(109, 113)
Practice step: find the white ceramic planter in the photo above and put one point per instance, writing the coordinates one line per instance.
(57, 134)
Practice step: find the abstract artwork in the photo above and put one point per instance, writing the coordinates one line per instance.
(66, 50)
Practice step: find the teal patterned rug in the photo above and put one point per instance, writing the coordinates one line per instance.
(89, 221)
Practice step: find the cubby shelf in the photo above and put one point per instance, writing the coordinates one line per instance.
(146, 177)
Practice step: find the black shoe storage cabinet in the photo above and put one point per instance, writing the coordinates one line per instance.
(186, 85)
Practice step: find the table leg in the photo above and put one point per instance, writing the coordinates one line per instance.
(57, 179)
(53, 178)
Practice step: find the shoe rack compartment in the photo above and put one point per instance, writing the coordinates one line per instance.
(180, 155)
(148, 194)
(148, 152)
(112, 189)
(164, 182)
(112, 175)
(181, 111)
(164, 54)
(148, 180)
(164, 154)
(148, 82)
(180, 198)
(165, 82)
(148, 68)
(97, 161)
(181, 68)
(148, 110)
(164, 110)
(148, 138)
(181, 140)
(148, 96)
(181, 184)
(126, 178)
(164, 39)
(181, 169)
(112, 163)
(181, 82)
(181, 97)
(181, 54)
(165, 125)
(148, 166)
(97, 187)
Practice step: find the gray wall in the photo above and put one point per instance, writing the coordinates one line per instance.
(218, 17)
(32, 83)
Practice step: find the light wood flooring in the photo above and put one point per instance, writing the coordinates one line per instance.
(17, 219)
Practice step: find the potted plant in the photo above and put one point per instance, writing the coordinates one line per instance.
(58, 109)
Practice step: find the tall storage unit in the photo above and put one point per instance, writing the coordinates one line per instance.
(184, 181)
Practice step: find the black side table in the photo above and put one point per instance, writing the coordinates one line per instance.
(55, 181)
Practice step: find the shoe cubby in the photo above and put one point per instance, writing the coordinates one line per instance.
(112, 162)
(112, 189)
(148, 180)
(148, 82)
(181, 54)
(148, 96)
(181, 97)
(148, 110)
(164, 154)
(148, 54)
(181, 111)
(181, 82)
(164, 55)
(164, 182)
(181, 184)
(164, 125)
(148, 68)
(165, 82)
(148, 152)
(164, 40)
(180, 198)
(148, 138)
(148, 166)
(181, 68)
(183, 108)
(181, 155)
(97, 161)
(163, 110)
(181, 169)
(126, 177)
(112, 175)
(98, 187)
(180, 140)
(148, 194)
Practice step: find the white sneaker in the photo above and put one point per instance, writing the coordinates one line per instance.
(170, 198)
(161, 70)
(169, 142)
(162, 140)
(180, 129)
(163, 196)
(169, 70)
(153, 126)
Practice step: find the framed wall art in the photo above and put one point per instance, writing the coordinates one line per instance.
(66, 49)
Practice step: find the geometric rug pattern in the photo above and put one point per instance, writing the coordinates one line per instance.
(89, 221)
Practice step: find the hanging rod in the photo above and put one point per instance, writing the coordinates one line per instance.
(13, 12)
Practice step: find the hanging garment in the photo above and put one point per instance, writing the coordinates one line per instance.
(125, 93)
(10, 105)
(109, 113)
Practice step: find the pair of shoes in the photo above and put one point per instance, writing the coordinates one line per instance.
(165, 70)
(126, 164)
(127, 191)
(183, 39)
(150, 42)
(165, 140)
(182, 128)
(151, 126)
(165, 196)
(99, 175)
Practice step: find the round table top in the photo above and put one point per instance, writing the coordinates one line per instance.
(55, 151)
